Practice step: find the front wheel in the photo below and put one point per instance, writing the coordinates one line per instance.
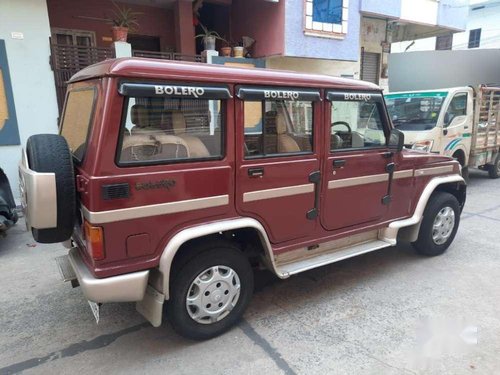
(494, 169)
(210, 292)
(439, 224)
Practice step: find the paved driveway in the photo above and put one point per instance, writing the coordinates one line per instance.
(387, 312)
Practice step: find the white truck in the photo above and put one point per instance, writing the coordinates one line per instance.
(461, 122)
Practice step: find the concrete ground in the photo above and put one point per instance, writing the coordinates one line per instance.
(387, 312)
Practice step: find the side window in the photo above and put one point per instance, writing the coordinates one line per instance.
(457, 107)
(278, 127)
(167, 127)
(356, 124)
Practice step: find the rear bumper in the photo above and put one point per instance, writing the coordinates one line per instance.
(129, 287)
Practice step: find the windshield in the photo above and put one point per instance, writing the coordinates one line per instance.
(415, 111)
(77, 118)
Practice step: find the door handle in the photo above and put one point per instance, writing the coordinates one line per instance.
(338, 163)
(256, 172)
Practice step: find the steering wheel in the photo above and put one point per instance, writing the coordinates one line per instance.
(344, 124)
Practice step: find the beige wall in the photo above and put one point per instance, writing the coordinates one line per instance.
(329, 67)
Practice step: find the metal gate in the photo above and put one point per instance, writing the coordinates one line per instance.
(66, 60)
(370, 65)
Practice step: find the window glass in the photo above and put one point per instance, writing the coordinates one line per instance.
(77, 118)
(278, 127)
(415, 111)
(457, 107)
(356, 125)
(474, 38)
(328, 11)
(159, 129)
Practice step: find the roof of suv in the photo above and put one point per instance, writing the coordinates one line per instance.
(134, 67)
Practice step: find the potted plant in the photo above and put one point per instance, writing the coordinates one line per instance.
(209, 37)
(226, 49)
(123, 20)
(238, 51)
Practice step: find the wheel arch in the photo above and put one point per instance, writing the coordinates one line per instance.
(187, 236)
(408, 229)
(461, 156)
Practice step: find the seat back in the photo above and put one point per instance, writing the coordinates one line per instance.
(285, 142)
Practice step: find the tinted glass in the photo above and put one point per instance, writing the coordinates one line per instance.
(278, 127)
(356, 125)
(160, 130)
(76, 120)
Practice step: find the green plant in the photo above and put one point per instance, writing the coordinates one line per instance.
(124, 17)
(207, 34)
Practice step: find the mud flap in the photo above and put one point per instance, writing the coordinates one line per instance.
(151, 307)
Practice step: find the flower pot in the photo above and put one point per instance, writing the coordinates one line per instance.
(225, 51)
(119, 33)
(209, 42)
(238, 51)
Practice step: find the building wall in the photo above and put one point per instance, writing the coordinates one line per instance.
(32, 79)
(263, 22)
(321, 66)
(486, 19)
(92, 14)
(297, 44)
(389, 8)
(373, 33)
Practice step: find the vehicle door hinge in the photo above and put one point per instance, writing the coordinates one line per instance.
(82, 184)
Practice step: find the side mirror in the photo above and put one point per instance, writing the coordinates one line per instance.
(396, 140)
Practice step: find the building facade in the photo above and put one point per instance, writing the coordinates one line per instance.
(482, 31)
(44, 42)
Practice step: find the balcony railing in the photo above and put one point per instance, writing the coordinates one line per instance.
(168, 56)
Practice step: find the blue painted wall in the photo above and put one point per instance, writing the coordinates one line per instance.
(297, 44)
(453, 13)
(9, 134)
(388, 8)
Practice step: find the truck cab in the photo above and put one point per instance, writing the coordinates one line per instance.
(170, 182)
(437, 121)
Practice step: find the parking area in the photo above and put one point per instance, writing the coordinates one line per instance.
(389, 312)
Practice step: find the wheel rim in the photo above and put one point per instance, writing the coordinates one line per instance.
(213, 294)
(443, 225)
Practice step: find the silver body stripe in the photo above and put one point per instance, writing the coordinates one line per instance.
(102, 217)
(277, 192)
(403, 174)
(354, 181)
(433, 171)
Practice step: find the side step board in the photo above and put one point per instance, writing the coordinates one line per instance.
(336, 255)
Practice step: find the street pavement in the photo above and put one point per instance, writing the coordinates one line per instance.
(386, 312)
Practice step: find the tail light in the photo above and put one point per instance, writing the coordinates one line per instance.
(95, 241)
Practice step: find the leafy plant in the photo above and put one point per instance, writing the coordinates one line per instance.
(124, 17)
(207, 33)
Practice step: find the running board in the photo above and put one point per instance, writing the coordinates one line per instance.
(323, 259)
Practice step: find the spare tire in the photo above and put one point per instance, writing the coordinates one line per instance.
(49, 153)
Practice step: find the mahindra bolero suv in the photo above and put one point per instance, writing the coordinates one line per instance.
(170, 182)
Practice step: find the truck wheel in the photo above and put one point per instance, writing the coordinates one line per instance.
(50, 153)
(494, 169)
(439, 224)
(210, 292)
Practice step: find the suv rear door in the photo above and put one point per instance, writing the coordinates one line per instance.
(355, 176)
(276, 156)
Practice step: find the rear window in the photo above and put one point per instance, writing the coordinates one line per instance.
(76, 120)
(172, 124)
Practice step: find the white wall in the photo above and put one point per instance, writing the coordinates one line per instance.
(329, 67)
(32, 79)
(486, 19)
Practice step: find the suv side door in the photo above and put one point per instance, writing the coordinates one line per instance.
(356, 179)
(277, 152)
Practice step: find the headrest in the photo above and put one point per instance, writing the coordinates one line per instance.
(178, 122)
(139, 115)
(280, 124)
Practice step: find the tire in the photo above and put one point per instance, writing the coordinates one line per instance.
(223, 255)
(50, 153)
(494, 169)
(426, 243)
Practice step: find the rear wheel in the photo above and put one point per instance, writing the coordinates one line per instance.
(50, 153)
(494, 169)
(210, 291)
(439, 224)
